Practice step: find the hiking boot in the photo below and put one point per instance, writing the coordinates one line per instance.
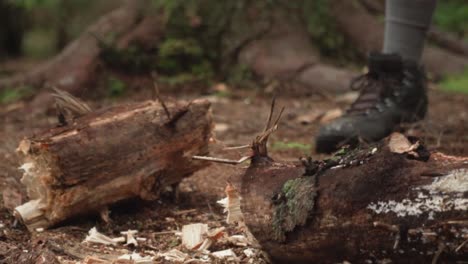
(392, 92)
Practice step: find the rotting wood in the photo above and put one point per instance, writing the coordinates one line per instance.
(343, 216)
(363, 205)
(106, 156)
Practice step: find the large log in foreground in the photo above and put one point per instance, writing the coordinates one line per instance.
(368, 206)
(107, 156)
(389, 202)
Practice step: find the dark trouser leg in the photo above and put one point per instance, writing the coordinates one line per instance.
(406, 24)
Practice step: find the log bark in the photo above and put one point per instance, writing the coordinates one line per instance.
(380, 207)
(106, 156)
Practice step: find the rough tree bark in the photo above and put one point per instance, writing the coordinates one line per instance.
(106, 156)
(388, 202)
(368, 205)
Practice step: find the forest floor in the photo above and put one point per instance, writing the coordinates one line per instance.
(239, 115)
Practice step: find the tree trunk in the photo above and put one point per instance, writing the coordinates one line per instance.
(107, 156)
(77, 65)
(283, 51)
(372, 206)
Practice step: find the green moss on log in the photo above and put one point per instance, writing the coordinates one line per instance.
(294, 204)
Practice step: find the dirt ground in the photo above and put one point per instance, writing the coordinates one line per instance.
(238, 116)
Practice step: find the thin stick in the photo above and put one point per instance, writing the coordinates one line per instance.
(158, 96)
(461, 245)
(270, 116)
(220, 160)
(212, 214)
(264, 136)
(238, 147)
(457, 222)
(438, 253)
(279, 116)
(188, 211)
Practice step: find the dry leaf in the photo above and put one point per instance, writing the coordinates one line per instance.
(398, 143)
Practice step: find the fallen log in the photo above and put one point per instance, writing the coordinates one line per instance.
(389, 208)
(391, 202)
(79, 64)
(293, 60)
(106, 156)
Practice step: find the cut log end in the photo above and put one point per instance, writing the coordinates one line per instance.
(107, 156)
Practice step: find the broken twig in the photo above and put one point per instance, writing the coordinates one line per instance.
(158, 96)
(220, 160)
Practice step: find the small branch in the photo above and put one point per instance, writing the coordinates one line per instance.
(220, 160)
(270, 116)
(461, 245)
(158, 96)
(392, 228)
(188, 211)
(264, 136)
(259, 146)
(438, 253)
(238, 147)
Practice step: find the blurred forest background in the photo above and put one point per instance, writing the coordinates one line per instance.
(316, 45)
(236, 54)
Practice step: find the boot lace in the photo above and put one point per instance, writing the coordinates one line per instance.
(373, 88)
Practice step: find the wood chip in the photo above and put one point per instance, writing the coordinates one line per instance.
(193, 235)
(95, 237)
(231, 205)
(174, 255)
(225, 254)
(137, 259)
